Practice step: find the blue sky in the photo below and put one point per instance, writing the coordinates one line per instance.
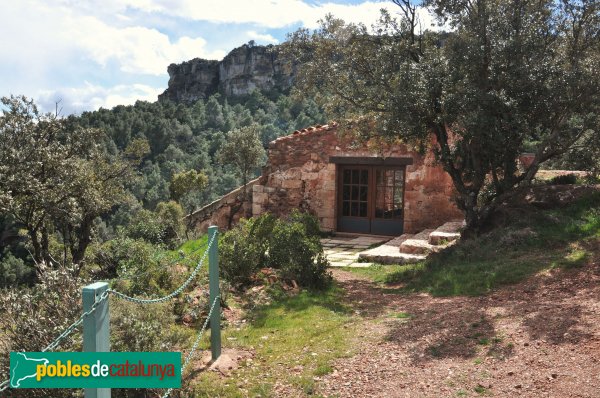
(92, 54)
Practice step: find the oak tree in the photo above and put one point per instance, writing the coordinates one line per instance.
(505, 75)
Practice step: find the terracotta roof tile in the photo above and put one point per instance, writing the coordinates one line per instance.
(319, 128)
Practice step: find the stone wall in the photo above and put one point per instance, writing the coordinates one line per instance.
(299, 175)
(218, 212)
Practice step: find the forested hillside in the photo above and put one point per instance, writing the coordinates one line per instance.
(170, 139)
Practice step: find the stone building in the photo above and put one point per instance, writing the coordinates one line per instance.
(350, 188)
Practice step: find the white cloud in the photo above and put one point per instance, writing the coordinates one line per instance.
(273, 13)
(263, 38)
(90, 96)
(41, 32)
(136, 49)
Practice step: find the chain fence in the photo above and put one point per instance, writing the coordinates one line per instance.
(56, 342)
(160, 267)
(190, 354)
(176, 292)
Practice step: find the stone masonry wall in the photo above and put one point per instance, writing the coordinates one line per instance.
(298, 175)
(218, 212)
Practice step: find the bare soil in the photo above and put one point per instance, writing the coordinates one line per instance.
(540, 338)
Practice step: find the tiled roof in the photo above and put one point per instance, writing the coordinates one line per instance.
(309, 130)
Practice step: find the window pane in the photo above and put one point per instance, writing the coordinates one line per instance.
(363, 209)
(346, 194)
(389, 177)
(388, 211)
(355, 177)
(346, 208)
(364, 193)
(347, 175)
(399, 175)
(354, 209)
(354, 195)
(398, 196)
(389, 194)
(364, 177)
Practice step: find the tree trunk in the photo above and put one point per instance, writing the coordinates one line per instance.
(85, 238)
(37, 248)
(45, 246)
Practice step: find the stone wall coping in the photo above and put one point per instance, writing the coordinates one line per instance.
(211, 207)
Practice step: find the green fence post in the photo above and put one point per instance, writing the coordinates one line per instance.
(96, 334)
(213, 276)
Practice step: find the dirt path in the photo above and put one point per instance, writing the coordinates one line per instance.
(540, 338)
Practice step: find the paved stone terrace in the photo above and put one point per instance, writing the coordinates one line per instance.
(344, 251)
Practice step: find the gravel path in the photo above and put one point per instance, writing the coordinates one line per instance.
(540, 338)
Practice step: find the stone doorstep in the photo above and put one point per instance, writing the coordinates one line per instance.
(437, 237)
(416, 246)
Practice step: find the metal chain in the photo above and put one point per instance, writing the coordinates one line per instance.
(75, 324)
(196, 343)
(5, 384)
(175, 292)
(170, 264)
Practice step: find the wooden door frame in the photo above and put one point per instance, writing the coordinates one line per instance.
(372, 188)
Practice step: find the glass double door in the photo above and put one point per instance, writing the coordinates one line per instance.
(371, 199)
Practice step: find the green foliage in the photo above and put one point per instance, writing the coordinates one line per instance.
(145, 225)
(243, 150)
(55, 178)
(170, 215)
(242, 253)
(526, 244)
(298, 254)
(101, 167)
(14, 272)
(508, 75)
(188, 181)
(563, 179)
(314, 323)
(289, 245)
(33, 317)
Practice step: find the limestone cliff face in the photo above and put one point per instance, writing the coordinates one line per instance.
(244, 69)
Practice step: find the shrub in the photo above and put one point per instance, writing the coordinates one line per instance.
(290, 245)
(563, 179)
(298, 254)
(241, 253)
(147, 226)
(33, 317)
(170, 215)
(14, 271)
(141, 267)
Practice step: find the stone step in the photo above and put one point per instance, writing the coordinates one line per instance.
(446, 233)
(416, 246)
(441, 238)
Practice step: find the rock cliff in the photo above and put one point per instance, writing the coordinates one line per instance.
(244, 69)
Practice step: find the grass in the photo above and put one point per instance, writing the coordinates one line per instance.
(401, 315)
(293, 340)
(529, 242)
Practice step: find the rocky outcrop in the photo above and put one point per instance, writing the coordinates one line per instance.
(244, 69)
(191, 81)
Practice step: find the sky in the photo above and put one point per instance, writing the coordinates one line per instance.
(87, 54)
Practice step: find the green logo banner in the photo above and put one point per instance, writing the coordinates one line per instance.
(95, 369)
